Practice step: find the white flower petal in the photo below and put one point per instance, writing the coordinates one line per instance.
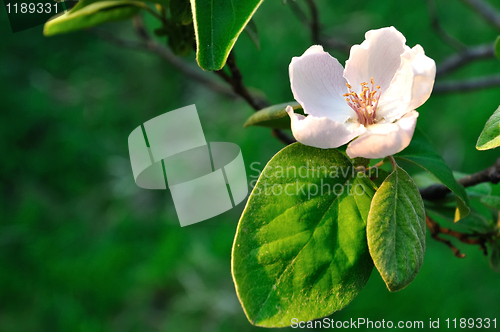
(318, 85)
(384, 139)
(410, 87)
(424, 70)
(322, 132)
(379, 56)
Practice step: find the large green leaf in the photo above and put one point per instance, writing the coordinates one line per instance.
(300, 248)
(274, 116)
(89, 13)
(396, 230)
(218, 23)
(421, 152)
(490, 136)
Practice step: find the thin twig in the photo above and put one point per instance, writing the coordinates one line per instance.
(435, 230)
(438, 191)
(468, 55)
(147, 44)
(439, 30)
(487, 11)
(467, 84)
(467, 238)
(236, 82)
(491, 174)
(165, 54)
(315, 24)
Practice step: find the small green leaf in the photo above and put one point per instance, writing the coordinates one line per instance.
(492, 202)
(89, 13)
(490, 136)
(218, 25)
(396, 230)
(274, 116)
(252, 32)
(497, 47)
(300, 248)
(422, 153)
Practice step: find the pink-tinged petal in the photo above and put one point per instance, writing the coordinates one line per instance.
(411, 87)
(379, 56)
(384, 139)
(322, 132)
(318, 85)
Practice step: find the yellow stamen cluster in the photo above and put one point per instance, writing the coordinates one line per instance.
(364, 104)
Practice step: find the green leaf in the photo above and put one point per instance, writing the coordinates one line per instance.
(396, 230)
(274, 116)
(491, 202)
(218, 25)
(490, 136)
(422, 153)
(497, 47)
(252, 32)
(89, 13)
(300, 248)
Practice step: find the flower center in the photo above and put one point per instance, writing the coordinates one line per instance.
(364, 104)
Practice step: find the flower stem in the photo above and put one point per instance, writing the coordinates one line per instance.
(393, 163)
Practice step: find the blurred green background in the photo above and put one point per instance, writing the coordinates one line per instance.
(83, 249)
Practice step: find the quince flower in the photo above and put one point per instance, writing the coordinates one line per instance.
(373, 99)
